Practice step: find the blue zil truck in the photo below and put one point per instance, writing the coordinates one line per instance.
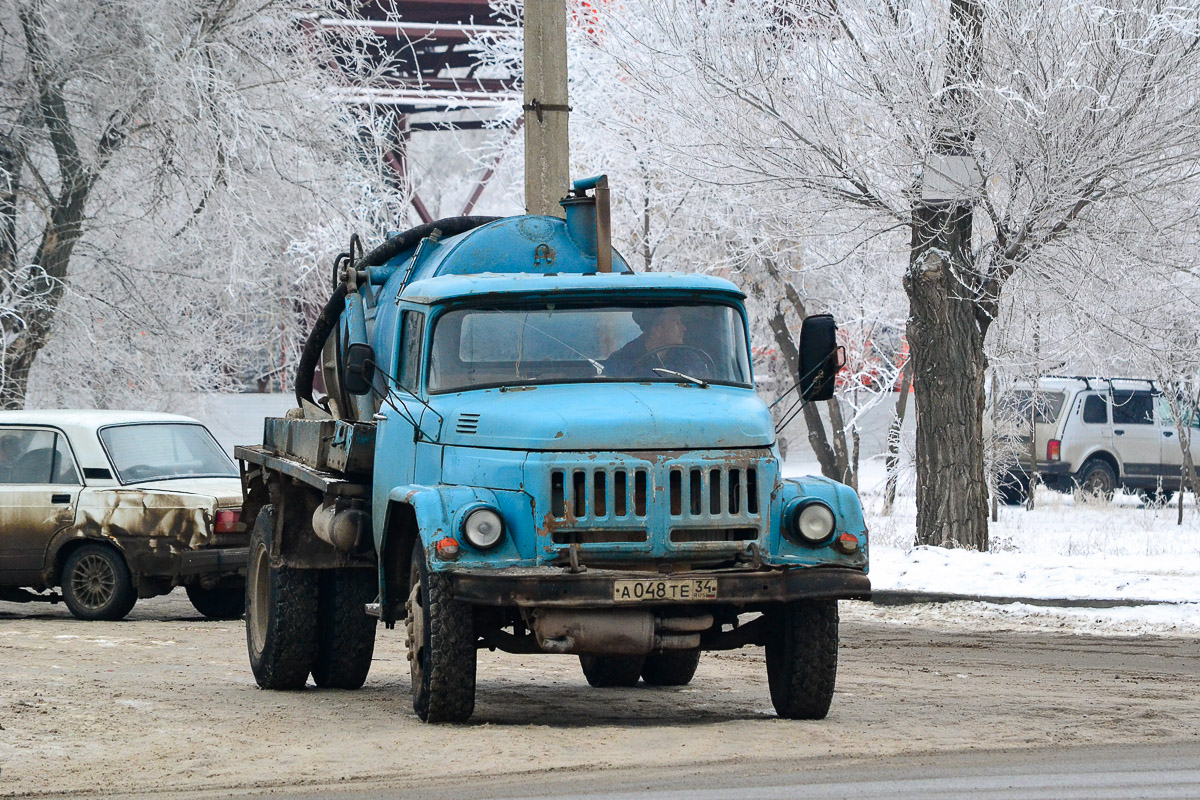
(525, 446)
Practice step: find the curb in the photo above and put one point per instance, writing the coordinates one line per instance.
(900, 597)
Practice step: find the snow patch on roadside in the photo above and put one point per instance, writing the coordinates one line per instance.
(1061, 549)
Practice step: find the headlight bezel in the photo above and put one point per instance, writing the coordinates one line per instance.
(464, 527)
(792, 522)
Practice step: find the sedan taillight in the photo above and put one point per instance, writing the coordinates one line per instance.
(229, 520)
(1054, 450)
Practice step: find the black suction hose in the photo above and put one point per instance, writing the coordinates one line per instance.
(327, 320)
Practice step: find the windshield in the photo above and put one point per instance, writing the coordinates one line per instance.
(158, 451)
(480, 347)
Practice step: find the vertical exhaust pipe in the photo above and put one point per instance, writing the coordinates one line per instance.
(589, 219)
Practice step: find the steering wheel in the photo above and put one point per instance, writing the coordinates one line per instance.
(683, 358)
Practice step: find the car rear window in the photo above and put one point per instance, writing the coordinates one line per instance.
(162, 451)
(1045, 407)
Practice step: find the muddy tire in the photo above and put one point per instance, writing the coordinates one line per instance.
(670, 669)
(802, 649)
(96, 584)
(441, 645)
(607, 671)
(345, 632)
(281, 614)
(1096, 481)
(219, 602)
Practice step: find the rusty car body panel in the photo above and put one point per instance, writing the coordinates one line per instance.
(164, 529)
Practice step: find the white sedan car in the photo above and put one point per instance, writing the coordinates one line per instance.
(116, 505)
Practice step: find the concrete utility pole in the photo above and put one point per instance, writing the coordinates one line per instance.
(546, 144)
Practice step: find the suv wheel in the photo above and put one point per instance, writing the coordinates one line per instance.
(1096, 481)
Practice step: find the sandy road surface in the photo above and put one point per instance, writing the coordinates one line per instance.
(164, 702)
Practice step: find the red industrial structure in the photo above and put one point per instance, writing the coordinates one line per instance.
(432, 74)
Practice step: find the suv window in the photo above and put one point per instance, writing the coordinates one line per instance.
(1020, 404)
(1095, 410)
(36, 456)
(1133, 408)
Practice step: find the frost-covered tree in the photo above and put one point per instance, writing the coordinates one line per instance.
(158, 161)
(988, 138)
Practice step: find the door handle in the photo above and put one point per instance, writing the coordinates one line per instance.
(1168, 434)
(1119, 432)
(60, 498)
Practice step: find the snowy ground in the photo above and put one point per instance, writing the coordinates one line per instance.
(1061, 549)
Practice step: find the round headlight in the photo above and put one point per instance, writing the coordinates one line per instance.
(483, 528)
(814, 523)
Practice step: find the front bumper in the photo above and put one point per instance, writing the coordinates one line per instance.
(553, 586)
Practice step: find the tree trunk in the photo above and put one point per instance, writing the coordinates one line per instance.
(841, 452)
(946, 343)
(894, 431)
(817, 439)
(788, 349)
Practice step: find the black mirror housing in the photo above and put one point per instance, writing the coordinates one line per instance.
(359, 371)
(820, 357)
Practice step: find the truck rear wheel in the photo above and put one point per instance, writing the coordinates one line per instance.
(281, 614)
(441, 645)
(218, 602)
(671, 669)
(802, 657)
(345, 632)
(605, 671)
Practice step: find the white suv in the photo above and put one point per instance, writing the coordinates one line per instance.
(1091, 434)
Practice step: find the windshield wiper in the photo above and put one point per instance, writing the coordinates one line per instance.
(688, 378)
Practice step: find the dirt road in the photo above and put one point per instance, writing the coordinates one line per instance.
(164, 703)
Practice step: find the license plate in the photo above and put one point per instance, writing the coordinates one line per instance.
(666, 590)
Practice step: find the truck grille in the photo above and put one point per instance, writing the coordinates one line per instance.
(695, 495)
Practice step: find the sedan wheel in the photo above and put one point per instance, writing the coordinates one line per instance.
(96, 583)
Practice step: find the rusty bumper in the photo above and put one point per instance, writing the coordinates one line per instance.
(226, 560)
(552, 586)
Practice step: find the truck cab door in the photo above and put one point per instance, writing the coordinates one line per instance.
(396, 437)
(39, 490)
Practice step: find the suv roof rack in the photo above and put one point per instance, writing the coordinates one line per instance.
(1087, 380)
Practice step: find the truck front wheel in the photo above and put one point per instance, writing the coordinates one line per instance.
(345, 632)
(801, 649)
(218, 602)
(441, 645)
(281, 614)
(670, 669)
(605, 671)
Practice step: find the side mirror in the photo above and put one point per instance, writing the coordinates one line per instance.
(820, 357)
(359, 371)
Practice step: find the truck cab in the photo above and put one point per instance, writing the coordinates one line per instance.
(522, 452)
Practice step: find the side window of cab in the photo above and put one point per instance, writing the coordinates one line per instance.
(412, 331)
(1095, 410)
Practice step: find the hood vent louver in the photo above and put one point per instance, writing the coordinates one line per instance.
(467, 423)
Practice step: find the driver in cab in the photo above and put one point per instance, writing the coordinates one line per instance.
(663, 344)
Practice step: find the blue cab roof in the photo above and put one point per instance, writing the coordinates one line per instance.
(446, 288)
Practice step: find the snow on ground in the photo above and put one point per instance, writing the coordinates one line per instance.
(1061, 549)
